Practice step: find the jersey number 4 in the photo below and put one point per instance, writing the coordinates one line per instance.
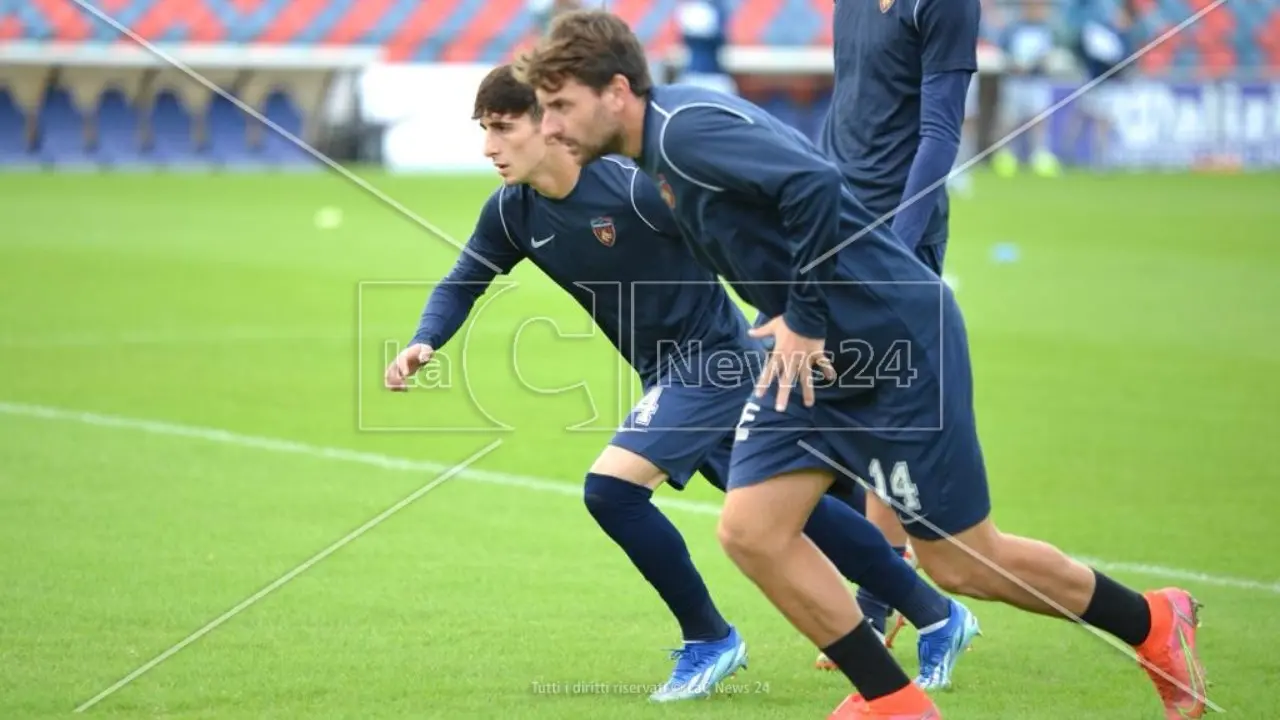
(899, 484)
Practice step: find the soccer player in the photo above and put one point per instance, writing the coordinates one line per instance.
(902, 74)
(1102, 37)
(606, 236)
(768, 212)
(1027, 91)
(703, 29)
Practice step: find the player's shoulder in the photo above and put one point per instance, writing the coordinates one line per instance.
(503, 210)
(608, 178)
(687, 110)
(695, 101)
(611, 169)
(496, 204)
(619, 180)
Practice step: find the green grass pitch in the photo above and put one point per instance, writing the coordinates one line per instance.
(191, 407)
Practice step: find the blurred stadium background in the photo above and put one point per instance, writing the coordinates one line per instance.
(386, 81)
(194, 318)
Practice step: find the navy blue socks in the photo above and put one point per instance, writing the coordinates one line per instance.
(627, 515)
(876, 612)
(855, 496)
(860, 552)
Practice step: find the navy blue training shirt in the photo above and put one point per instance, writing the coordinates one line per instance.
(902, 68)
(759, 203)
(613, 245)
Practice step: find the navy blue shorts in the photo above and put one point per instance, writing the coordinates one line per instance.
(907, 440)
(683, 430)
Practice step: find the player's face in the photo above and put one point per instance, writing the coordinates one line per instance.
(514, 145)
(585, 122)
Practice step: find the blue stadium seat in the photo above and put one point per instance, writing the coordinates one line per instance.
(1249, 55)
(119, 143)
(62, 131)
(172, 141)
(228, 136)
(14, 149)
(277, 149)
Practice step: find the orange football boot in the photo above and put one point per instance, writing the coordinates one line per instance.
(1171, 649)
(909, 703)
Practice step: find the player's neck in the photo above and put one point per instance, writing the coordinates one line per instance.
(633, 126)
(556, 176)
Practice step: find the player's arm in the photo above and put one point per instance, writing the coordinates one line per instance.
(949, 57)
(722, 150)
(489, 252)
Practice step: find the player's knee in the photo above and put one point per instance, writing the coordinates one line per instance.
(959, 579)
(596, 503)
(736, 539)
(745, 542)
(605, 494)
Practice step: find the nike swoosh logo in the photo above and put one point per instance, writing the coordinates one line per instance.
(544, 241)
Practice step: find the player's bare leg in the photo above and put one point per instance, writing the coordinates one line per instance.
(761, 529)
(618, 494)
(1161, 625)
(1039, 565)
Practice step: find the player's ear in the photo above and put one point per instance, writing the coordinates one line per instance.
(617, 90)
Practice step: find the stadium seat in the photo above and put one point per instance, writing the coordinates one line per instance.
(228, 136)
(278, 150)
(1238, 42)
(14, 149)
(119, 141)
(173, 143)
(1249, 55)
(63, 142)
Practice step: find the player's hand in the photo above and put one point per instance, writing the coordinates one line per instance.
(406, 364)
(793, 356)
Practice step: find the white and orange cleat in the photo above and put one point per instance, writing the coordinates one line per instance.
(1171, 648)
(909, 703)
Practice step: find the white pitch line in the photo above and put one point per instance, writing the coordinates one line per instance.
(279, 582)
(537, 484)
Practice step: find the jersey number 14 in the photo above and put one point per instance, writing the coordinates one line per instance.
(899, 485)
